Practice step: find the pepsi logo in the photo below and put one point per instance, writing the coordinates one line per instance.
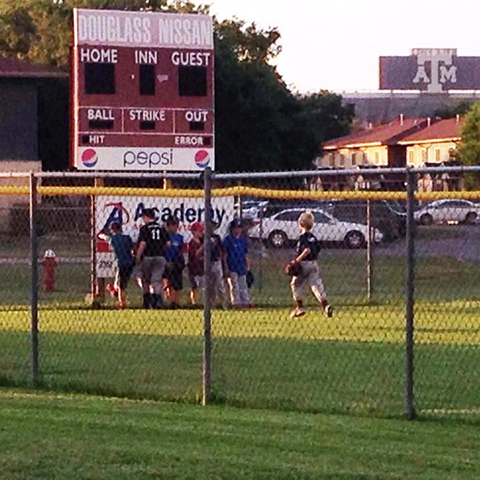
(89, 158)
(202, 159)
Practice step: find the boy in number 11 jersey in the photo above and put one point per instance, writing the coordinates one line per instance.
(153, 242)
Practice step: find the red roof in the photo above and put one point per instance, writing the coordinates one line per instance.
(386, 134)
(449, 129)
(10, 67)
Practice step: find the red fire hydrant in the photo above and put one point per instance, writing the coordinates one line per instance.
(49, 269)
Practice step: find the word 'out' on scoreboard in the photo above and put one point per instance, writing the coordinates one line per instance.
(143, 91)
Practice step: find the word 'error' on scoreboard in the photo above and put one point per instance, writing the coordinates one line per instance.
(143, 91)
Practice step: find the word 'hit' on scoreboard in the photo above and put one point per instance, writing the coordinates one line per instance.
(143, 91)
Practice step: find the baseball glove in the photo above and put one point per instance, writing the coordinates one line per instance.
(293, 269)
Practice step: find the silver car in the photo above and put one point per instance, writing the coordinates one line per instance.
(448, 211)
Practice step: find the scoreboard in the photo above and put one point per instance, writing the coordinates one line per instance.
(143, 91)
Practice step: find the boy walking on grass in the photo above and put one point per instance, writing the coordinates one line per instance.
(306, 272)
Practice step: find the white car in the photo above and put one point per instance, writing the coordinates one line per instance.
(253, 209)
(448, 211)
(282, 228)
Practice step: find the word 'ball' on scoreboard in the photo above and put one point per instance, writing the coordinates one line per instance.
(143, 91)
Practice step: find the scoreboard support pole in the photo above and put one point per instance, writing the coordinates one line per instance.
(97, 284)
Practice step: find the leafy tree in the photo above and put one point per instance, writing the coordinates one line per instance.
(260, 123)
(40, 30)
(469, 151)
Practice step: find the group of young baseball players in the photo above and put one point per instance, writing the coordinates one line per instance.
(162, 255)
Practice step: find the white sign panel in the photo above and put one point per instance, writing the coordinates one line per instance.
(143, 29)
(146, 159)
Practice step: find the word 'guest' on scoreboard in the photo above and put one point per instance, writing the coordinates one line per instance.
(143, 91)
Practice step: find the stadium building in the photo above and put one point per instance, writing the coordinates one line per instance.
(419, 86)
(382, 107)
(400, 123)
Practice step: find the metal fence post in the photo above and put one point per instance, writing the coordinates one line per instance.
(370, 246)
(207, 309)
(410, 299)
(34, 279)
(93, 247)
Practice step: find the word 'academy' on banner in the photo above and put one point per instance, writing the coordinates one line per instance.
(127, 211)
(430, 70)
(143, 91)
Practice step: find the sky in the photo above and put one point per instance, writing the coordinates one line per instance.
(335, 44)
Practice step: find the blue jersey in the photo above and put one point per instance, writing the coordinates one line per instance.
(122, 246)
(175, 251)
(236, 250)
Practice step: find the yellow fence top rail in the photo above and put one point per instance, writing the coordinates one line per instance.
(235, 191)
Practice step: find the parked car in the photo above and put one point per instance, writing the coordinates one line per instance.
(253, 208)
(282, 228)
(388, 217)
(276, 206)
(446, 211)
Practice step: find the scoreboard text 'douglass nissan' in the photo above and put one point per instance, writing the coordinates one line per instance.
(143, 91)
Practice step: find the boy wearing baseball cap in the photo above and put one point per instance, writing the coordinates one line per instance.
(175, 262)
(122, 246)
(238, 265)
(153, 243)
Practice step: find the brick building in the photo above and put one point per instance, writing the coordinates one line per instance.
(413, 142)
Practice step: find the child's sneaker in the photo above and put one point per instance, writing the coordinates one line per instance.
(298, 312)
(328, 311)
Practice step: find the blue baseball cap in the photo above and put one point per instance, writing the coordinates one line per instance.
(237, 223)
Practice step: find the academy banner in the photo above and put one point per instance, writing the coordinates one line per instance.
(127, 211)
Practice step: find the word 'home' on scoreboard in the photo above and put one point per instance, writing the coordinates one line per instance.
(143, 96)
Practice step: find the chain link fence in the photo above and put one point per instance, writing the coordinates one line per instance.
(218, 320)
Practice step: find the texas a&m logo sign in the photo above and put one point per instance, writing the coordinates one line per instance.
(143, 96)
(433, 70)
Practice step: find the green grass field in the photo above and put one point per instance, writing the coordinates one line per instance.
(77, 437)
(286, 374)
(351, 363)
